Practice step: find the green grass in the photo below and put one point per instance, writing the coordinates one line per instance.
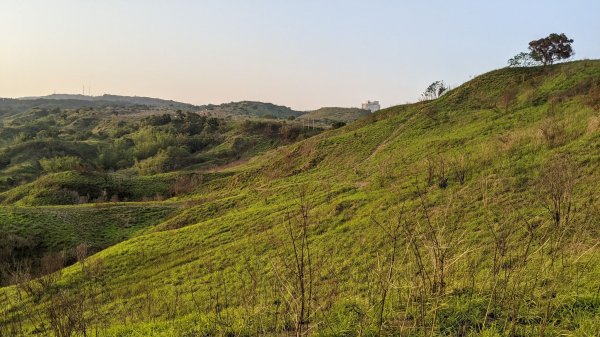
(30, 233)
(98, 225)
(74, 187)
(218, 266)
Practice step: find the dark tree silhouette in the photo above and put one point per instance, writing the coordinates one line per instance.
(434, 90)
(552, 48)
(522, 59)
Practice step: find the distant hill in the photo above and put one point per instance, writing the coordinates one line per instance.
(248, 109)
(242, 109)
(331, 115)
(326, 115)
(107, 98)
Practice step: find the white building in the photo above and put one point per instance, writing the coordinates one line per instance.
(371, 106)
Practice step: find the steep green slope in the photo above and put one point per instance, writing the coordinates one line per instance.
(437, 218)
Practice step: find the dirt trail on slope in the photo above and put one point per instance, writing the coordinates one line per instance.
(383, 144)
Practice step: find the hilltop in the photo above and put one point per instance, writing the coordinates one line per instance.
(113, 99)
(473, 214)
(146, 106)
(330, 115)
(248, 109)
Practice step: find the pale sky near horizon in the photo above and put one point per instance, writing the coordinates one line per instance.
(300, 53)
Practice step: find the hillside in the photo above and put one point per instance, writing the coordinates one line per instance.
(108, 99)
(29, 233)
(331, 115)
(248, 109)
(475, 214)
(136, 140)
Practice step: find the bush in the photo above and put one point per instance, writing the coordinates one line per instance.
(168, 159)
(117, 155)
(157, 120)
(337, 125)
(148, 141)
(60, 164)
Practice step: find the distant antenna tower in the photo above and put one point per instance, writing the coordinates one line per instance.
(83, 92)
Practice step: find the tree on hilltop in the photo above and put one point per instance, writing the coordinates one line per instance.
(554, 47)
(434, 90)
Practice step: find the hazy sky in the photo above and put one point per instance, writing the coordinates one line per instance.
(300, 53)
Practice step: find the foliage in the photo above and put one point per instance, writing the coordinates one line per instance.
(522, 59)
(58, 164)
(554, 47)
(434, 90)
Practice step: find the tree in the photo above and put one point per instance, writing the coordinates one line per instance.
(434, 90)
(522, 59)
(552, 48)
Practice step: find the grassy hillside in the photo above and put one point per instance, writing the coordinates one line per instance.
(332, 115)
(475, 214)
(248, 109)
(27, 233)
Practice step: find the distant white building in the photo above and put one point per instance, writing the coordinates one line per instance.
(371, 106)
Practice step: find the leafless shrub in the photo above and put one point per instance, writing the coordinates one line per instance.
(442, 234)
(51, 265)
(459, 169)
(20, 276)
(65, 312)
(297, 288)
(430, 171)
(556, 189)
(392, 233)
(442, 174)
(436, 172)
(81, 253)
(553, 133)
(508, 98)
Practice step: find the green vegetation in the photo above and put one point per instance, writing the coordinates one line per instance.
(42, 140)
(27, 233)
(248, 109)
(331, 116)
(252, 110)
(474, 214)
(544, 51)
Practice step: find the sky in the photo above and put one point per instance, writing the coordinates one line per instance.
(304, 54)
